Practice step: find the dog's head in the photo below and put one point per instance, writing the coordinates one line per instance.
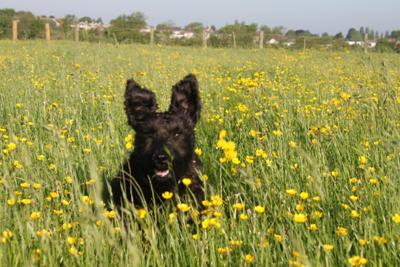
(164, 140)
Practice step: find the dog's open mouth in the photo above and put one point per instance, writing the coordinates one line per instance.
(161, 173)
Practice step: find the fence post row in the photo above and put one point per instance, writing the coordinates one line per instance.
(47, 32)
(76, 32)
(261, 39)
(234, 39)
(204, 39)
(366, 42)
(151, 36)
(15, 30)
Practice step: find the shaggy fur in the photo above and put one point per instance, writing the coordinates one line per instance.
(163, 148)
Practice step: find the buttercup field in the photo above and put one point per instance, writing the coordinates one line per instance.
(300, 152)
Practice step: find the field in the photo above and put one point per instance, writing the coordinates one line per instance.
(300, 151)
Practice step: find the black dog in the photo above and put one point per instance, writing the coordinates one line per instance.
(163, 148)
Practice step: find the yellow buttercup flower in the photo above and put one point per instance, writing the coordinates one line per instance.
(167, 195)
(187, 181)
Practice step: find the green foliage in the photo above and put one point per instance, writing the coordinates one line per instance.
(126, 28)
(353, 35)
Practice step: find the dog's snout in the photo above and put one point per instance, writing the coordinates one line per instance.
(160, 158)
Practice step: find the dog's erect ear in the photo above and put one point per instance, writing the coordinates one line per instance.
(139, 103)
(185, 98)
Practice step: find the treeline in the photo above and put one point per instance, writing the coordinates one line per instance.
(133, 28)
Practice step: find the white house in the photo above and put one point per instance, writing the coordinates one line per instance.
(273, 41)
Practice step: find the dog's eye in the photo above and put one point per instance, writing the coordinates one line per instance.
(177, 134)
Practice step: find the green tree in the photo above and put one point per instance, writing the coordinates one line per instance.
(6, 17)
(353, 35)
(127, 27)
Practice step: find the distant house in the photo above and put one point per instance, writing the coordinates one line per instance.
(273, 41)
(146, 29)
(179, 34)
(371, 44)
(86, 26)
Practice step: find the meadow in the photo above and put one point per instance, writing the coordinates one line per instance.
(300, 151)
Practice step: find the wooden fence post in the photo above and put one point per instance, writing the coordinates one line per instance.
(366, 42)
(77, 32)
(261, 39)
(152, 36)
(234, 39)
(47, 32)
(15, 30)
(204, 39)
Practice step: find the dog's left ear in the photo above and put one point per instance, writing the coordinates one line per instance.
(185, 98)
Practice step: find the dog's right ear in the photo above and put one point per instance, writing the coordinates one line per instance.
(139, 103)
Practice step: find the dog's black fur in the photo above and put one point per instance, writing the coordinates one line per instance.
(163, 146)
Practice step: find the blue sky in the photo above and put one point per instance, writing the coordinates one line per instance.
(314, 15)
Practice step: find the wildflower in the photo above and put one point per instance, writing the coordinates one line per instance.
(291, 192)
(313, 227)
(243, 217)
(87, 150)
(43, 233)
(11, 202)
(11, 146)
(259, 209)
(362, 160)
(357, 261)
(216, 200)
(235, 243)
(209, 223)
(195, 236)
(26, 201)
(37, 186)
(186, 181)
(373, 181)
(223, 250)
(277, 133)
(7, 234)
(142, 213)
(304, 195)
(278, 238)
(380, 240)
(52, 166)
(300, 218)
(396, 218)
(238, 206)
(25, 185)
(183, 207)
(73, 251)
(355, 214)
(248, 258)
(17, 165)
(68, 179)
(172, 217)
(353, 198)
(341, 231)
(87, 200)
(53, 195)
(71, 240)
(35, 215)
(41, 157)
(327, 247)
(292, 144)
(110, 214)
(363, 242)
(167, 195)
(198, 151)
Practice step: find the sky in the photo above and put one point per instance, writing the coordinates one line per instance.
(318, 16)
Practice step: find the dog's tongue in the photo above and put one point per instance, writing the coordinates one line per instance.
(162, 173)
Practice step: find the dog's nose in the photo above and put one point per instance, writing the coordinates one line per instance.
(161, 158)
